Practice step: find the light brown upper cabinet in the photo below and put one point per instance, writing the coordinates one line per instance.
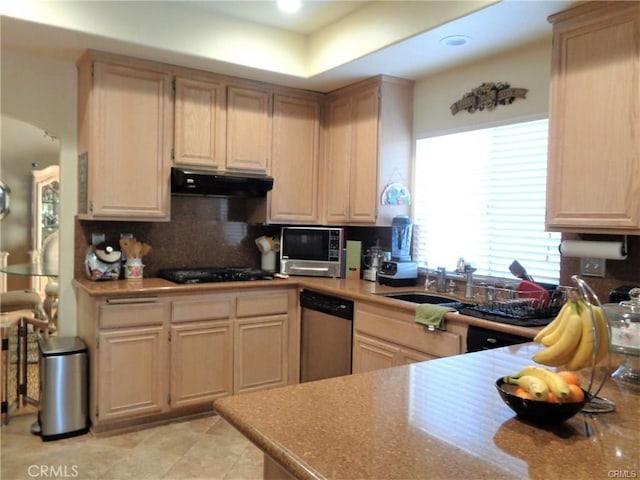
(368, 146)
(125, 124)
(294, 164)
(593, 182)
(248, 128)
(200, 123)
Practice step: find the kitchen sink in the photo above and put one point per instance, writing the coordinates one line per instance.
(419, 297)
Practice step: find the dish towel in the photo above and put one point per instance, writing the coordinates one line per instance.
(431, 315)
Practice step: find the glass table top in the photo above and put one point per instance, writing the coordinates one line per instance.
(30, 269)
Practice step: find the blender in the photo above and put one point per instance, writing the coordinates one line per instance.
(400, 271)
(401, 228)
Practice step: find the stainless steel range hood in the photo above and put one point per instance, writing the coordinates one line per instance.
(187, 181)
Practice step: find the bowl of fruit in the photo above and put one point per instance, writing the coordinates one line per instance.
(541, 396)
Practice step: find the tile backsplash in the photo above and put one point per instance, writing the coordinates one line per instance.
(203, 232)
(206, 231)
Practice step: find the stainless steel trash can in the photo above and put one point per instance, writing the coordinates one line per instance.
(63, 402)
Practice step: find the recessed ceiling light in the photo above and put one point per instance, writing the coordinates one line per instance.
(455, 40)
(289, 6)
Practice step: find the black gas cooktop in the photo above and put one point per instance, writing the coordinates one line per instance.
(216, 274)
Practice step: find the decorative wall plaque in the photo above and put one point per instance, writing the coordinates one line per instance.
(488, 95)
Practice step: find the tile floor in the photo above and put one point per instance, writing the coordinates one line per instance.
(204, 448)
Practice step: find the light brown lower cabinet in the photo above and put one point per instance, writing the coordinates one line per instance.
(385, 337)
(201, 362)
(161, 356)
(261, 344)
(373, 354)
(135, 381)
(201, 348)
(260, 353)
(370, 353)
(128, 349)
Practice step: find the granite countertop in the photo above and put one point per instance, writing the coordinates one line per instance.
(437, 419)
(352, 289)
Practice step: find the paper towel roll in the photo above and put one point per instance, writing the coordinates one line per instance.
(589, 249)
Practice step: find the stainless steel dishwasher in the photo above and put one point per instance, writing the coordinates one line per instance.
(325, 337)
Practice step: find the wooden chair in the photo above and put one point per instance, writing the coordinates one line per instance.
(47, 287)
(19, 308)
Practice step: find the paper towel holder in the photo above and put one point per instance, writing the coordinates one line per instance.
(593, 255)
(625, 248)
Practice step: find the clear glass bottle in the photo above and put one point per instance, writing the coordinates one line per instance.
(624, 320)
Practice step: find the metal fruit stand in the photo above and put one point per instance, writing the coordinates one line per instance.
(595, 403)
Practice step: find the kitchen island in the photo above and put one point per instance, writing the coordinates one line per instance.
(438, 419)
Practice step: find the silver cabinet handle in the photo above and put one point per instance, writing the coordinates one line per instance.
(131, 300)
(311, 269)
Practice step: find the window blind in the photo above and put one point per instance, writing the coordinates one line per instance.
(480, 195)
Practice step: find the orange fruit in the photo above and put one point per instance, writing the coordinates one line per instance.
(576, 394)
(522, 393)
(570, 377)
(552, 398)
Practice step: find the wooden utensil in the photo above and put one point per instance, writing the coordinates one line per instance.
(126, 245)
(146, 248)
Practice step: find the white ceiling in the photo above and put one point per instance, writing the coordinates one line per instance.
(312, 16)
(19, 137)
(382, 46)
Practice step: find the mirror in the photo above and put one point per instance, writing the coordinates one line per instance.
(5, 193)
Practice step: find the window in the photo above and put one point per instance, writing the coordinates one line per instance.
(480, 195)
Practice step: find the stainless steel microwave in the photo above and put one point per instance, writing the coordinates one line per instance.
(311, 251)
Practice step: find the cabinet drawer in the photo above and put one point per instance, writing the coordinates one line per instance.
(402, 330)
(264, 304)
(210, 307)
(132, 313)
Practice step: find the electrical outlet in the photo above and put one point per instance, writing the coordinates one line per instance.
(592, 267)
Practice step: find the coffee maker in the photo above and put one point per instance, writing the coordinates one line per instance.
(400, 271)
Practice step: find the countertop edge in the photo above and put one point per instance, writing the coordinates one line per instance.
(278, 453)
(357, 290)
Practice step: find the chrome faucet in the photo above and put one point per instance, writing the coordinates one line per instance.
(490, 294)
(441, 279)
(469, 290)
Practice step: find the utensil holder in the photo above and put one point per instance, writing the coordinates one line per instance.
(133, 268)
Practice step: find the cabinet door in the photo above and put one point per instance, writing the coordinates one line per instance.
(372, 354)
(406, 357)
(337, 158)
(248, 128)
(294, 162)
(260, 353)
(594, 141)
(400, 329)
(200, 123)
(201, 362)
(128, 162)
(363, 186)
(132, 366)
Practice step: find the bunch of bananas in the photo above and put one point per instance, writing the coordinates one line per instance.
(541, 383)
(570, 338)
